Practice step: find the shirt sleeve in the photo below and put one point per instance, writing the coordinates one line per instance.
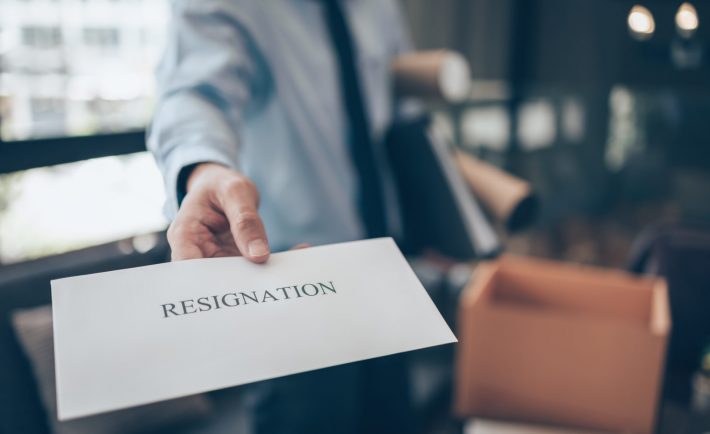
(207, 78)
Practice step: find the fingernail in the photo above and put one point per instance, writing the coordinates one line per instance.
(257, 248)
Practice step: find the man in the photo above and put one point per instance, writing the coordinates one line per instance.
(269, 134)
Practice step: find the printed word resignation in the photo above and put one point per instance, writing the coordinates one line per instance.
(234, 299)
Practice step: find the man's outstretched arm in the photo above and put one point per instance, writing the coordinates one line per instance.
(206, 79)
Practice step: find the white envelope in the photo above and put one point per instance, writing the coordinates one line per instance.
(141, 335)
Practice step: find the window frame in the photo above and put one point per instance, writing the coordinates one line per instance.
(30, 154)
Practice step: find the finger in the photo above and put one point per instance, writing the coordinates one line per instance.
(186, 251)
(239, 202)
(183, 248)
(181, 243)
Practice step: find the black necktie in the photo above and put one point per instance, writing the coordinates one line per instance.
(361, 146)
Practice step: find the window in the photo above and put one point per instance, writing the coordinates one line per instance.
(41, 37)
(95, 61)
(48, 113)
(76, 76)
(103, 38)
(51, 210)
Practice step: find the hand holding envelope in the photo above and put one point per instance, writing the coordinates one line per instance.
(219, 217)
(147, 334)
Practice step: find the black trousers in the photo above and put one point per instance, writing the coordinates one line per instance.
(365, 397)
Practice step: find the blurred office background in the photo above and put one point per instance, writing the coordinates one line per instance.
(602, 105)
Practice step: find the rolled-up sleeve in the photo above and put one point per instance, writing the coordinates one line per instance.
(206, 79)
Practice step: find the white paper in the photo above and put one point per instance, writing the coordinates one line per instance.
(487, 426)
(118, 343)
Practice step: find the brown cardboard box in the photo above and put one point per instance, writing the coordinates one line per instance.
(561, 344)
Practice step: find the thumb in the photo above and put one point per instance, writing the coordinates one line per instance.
(239, 203)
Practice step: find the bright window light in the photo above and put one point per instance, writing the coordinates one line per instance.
(56, 209)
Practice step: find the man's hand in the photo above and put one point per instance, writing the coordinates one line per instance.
(218, 217)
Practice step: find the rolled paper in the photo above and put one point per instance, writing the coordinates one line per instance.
(509, 199)
(435, 74)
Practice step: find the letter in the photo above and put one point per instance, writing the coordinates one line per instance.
(284, 291)
(236, 299)
(216, 302)
(204, 303)
(303, 288)
(252, 297)
(268, 294)
(170, 309)
(297, 293)
(330, 288)
(185, 306)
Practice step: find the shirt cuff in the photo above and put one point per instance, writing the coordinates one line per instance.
(182, 157)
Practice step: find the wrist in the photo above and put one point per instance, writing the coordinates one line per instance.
(201, 170)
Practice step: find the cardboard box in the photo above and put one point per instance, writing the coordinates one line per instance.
(567, 345)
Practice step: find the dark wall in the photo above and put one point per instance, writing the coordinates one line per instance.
(580, 43)
(480, 29)
(587, 43)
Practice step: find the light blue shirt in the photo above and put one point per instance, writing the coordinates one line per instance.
(254, 85)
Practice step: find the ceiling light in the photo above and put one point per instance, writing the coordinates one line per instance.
(641, 23)
(686, 20)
